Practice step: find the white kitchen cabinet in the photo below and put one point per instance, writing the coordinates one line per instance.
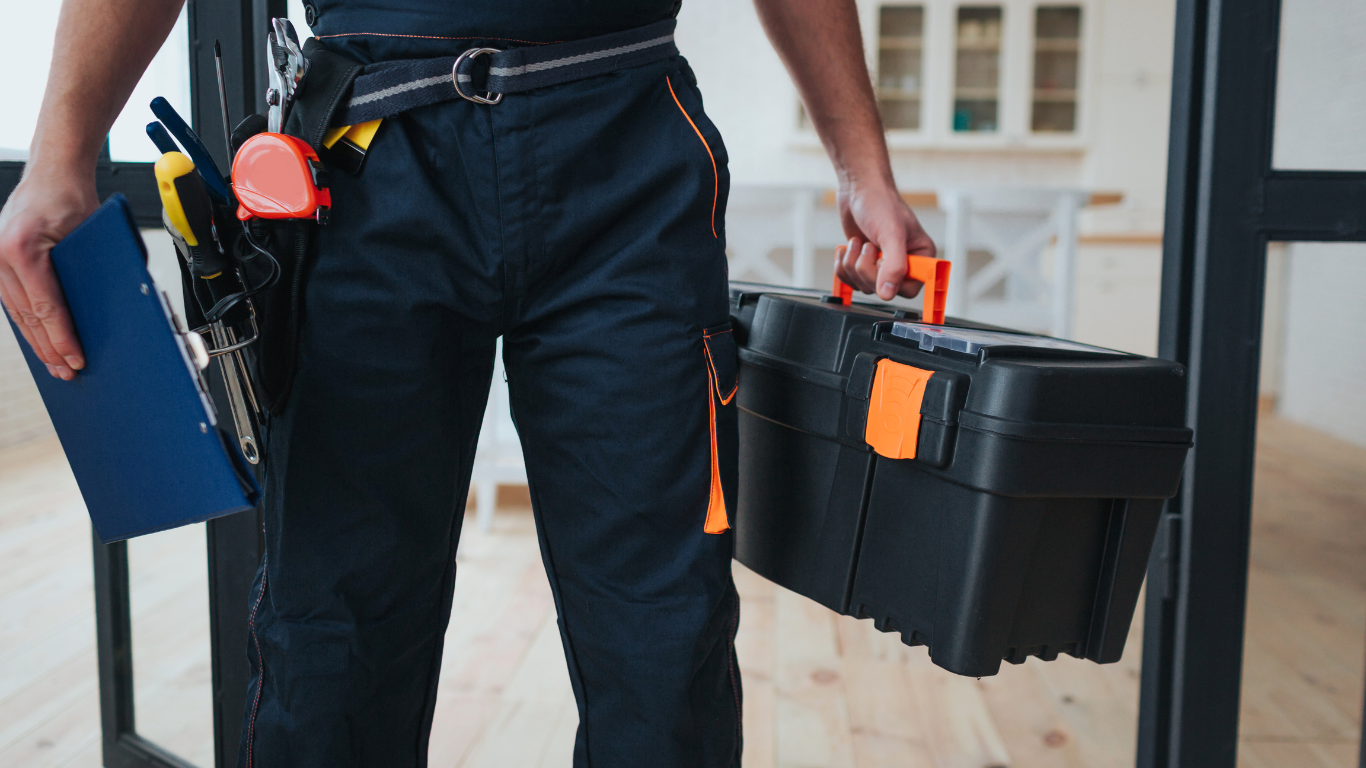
(1012, 74)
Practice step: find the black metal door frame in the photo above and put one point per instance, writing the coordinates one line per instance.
(234, 543)
(1225, 202)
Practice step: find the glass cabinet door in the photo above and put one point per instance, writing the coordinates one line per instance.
(900, 37)
(1057, 44)
(977, 74)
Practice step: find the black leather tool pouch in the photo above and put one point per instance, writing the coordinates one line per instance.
(280, 308)
(273, 258)
(277, 255)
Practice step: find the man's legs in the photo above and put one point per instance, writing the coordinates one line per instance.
(587, 219)
(369, 464)
(622, 311)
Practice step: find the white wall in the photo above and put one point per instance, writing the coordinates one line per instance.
(1273, 323)
(747, 93)
(1324, 360)
(1125, 102)
(1130, 108)
(1321, 88)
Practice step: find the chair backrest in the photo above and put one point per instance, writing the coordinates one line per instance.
(498, 432)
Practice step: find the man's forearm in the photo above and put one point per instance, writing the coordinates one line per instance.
(101, 50)
(819, 42)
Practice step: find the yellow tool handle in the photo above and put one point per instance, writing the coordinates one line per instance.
(171, 166)
(190, 212)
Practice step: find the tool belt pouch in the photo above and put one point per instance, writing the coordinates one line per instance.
(194, 301)
(277, 309)
(292, 242)
(280, 308)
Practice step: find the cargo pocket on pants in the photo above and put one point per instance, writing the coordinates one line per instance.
(722, 383)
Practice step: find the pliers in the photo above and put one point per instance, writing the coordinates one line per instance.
(288, 67)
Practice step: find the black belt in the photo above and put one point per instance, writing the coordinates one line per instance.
(391, 87)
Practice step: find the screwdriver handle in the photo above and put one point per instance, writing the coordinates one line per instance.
(188, 209)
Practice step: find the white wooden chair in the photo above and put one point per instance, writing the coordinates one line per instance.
(498, 457)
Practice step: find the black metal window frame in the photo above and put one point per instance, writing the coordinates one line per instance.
(1225, 202)
(134, 180)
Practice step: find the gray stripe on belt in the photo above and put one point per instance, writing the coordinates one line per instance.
(568, 60)
(414, 85)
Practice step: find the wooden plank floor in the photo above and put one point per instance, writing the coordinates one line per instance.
(820, 689)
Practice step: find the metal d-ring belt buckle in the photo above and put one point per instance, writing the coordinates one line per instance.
(488, 97)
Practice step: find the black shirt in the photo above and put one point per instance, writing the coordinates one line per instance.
(511, 21)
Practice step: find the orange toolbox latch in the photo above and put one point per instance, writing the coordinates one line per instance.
(893, 428)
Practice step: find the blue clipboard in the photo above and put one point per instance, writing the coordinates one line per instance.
(139, 431)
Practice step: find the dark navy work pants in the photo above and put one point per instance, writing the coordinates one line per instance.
(584, 224)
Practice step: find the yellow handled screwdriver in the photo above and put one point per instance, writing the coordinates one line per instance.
(185, 201)
(188, 209)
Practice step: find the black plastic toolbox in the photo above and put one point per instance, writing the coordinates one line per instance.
(1023, 523)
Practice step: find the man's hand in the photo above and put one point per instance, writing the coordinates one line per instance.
(102, 48)
(41, 211)
(819, 41)
(877, 222)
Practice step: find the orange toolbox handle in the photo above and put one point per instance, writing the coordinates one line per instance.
(934, 273)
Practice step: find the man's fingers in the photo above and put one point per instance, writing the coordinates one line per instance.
(14, 316)
(49, 306)
(844, 262)
(892, 269)
(920, 243)
(21, 312)
(910, 289)
(865, 267)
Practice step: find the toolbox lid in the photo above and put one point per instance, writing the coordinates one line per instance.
(968, 340)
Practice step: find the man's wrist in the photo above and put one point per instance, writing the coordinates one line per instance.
(66, 150)
(870, 176)
(864, 167)
(61, 163)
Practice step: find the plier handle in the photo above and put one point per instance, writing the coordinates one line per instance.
(287, 68)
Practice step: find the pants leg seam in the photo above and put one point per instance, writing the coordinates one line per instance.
(730, 663)
(260, 663)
